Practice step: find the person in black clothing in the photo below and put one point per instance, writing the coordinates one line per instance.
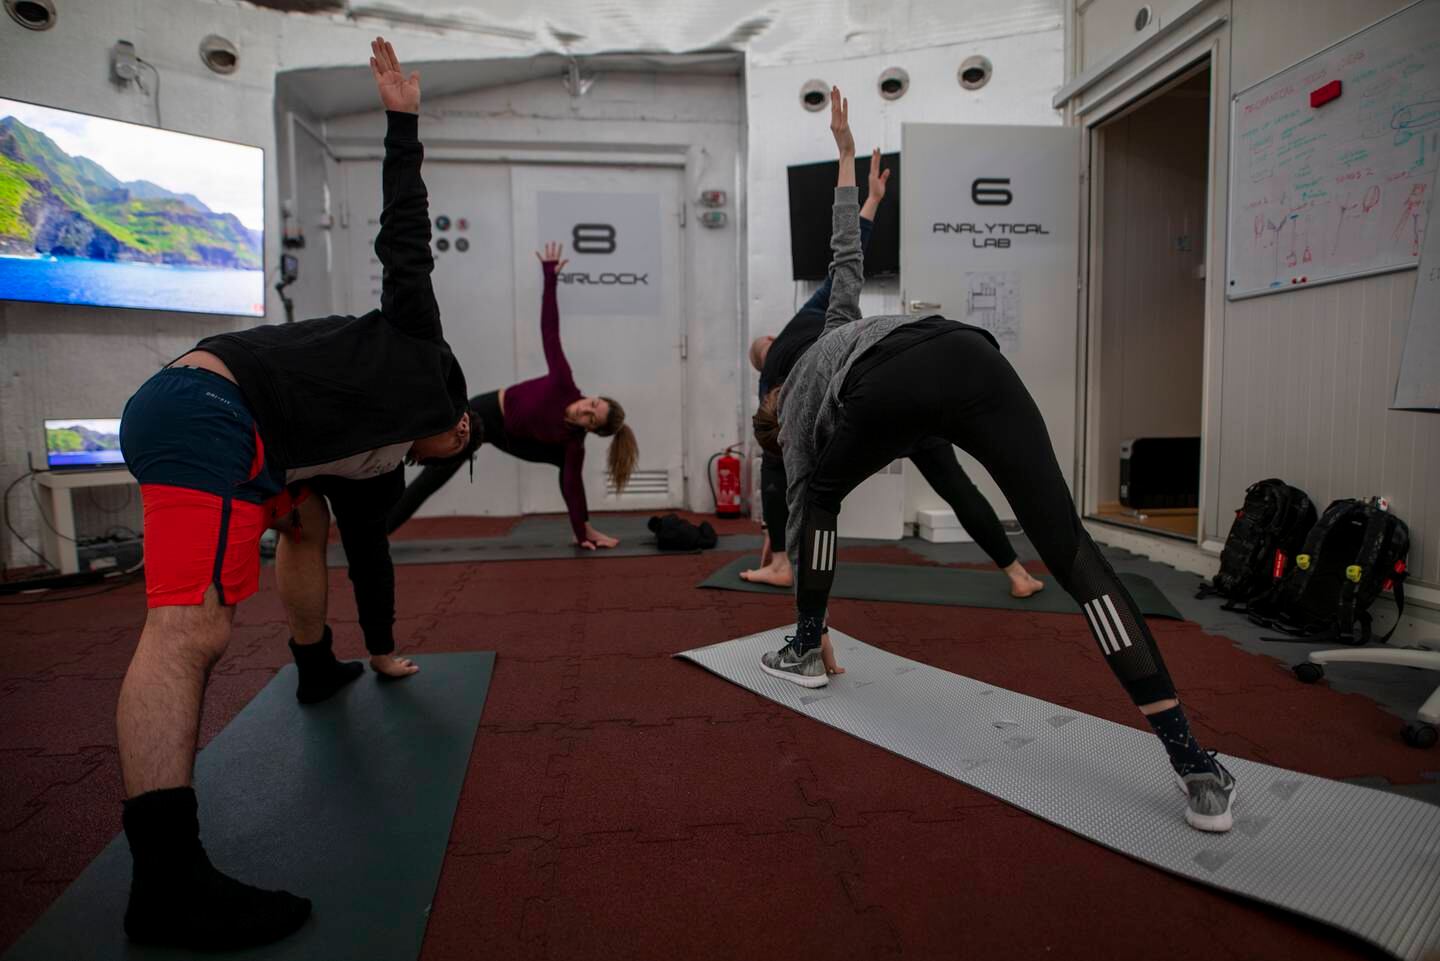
(214, 439)
(774, 357)
(865, 392)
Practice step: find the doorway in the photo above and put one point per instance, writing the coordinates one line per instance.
(621, 310)
(1148, 251)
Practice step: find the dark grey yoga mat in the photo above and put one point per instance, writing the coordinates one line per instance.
(955, 586)
(471, 550)
(348, 803)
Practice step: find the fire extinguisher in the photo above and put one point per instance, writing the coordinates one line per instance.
(725, 482)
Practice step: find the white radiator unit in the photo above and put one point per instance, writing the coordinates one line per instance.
(642, 483)
(876, 509)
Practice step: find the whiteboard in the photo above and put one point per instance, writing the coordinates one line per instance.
(1320, 194)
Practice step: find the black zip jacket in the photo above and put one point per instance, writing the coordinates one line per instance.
(321, 390)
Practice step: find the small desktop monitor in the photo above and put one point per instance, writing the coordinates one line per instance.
(79, 444)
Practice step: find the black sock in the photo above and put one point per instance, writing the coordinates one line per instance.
(1186, 754)
(321, 675)
(176, 895)
(808, 629)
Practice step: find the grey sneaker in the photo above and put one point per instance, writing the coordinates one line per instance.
(1211, 795)
(807, 670)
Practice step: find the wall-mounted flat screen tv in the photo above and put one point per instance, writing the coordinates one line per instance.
(812, 193)
(113, 214)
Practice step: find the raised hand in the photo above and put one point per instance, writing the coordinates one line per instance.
(840, 123)
(878, 178)
(552, 256)
(397, 92)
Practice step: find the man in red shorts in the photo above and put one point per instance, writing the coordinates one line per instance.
(214, 439)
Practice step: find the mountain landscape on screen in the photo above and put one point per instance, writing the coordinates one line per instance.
(57, 205)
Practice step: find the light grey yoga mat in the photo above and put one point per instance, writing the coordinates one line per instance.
(348, 803)
(958, 586)
(1364, 861)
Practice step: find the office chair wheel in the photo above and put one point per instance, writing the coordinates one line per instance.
(1309, 673)
(1419, 734)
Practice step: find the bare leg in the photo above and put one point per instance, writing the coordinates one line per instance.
(301, 572)
(774, 568)
(302, 575)
(158, 717)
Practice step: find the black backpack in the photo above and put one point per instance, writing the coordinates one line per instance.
(1267, 533)
(1356, 550)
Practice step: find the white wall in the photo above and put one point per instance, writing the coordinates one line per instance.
(1298, 384)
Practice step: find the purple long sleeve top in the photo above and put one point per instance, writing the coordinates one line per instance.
(535, 409)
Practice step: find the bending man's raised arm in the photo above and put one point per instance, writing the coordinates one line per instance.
(407, 298)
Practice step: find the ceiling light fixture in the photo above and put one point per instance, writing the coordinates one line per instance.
(813, 94)
(219, 54)
(32, 14)
(894, 83)
(975, 72)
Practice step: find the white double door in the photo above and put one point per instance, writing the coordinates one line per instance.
(620, 299)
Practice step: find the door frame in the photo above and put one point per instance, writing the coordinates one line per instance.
(679, 320)
(1141, 89)
(687, 159)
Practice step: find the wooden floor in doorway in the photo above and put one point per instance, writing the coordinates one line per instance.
(1181, 522)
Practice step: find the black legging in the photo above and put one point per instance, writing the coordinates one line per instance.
(434, 476)
(935, 457)
(960, 388)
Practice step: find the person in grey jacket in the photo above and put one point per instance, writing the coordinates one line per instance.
(862, 395)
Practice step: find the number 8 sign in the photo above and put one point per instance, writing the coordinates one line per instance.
(593, 239)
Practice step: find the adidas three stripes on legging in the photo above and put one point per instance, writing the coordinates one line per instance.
(959, 387)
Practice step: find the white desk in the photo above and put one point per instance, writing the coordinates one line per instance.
(59, 533)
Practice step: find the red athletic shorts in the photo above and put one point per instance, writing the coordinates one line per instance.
(186, 549)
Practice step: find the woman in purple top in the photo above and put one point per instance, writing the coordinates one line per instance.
(543, 420)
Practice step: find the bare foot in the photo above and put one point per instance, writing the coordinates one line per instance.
(777, 574)
(827, 654)
(392, 666)
(1025, 585)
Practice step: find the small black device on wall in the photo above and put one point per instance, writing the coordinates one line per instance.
(812, 194)
(1159, 472)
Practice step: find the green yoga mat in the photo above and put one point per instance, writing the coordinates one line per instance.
(954, 586)
(348, 803)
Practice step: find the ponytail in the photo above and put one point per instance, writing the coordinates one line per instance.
(624, 452)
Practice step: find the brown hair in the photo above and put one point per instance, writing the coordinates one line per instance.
(767, 423)
(624, 451)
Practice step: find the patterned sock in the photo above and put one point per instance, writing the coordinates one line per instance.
(1186, 754)
(808, 631)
